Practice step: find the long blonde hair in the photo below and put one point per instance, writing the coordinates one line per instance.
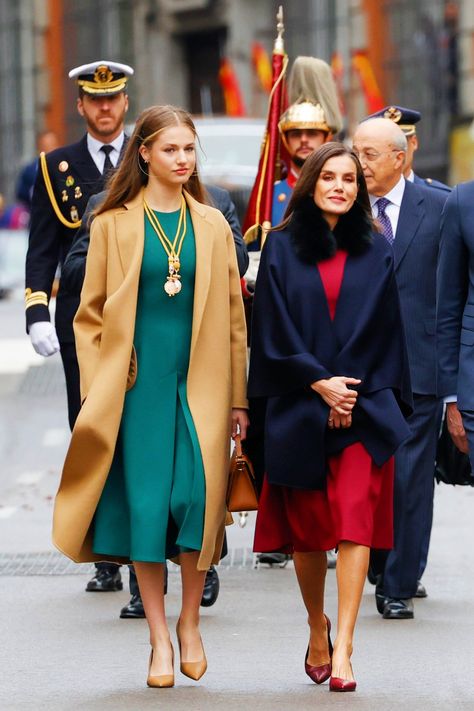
(132, 173)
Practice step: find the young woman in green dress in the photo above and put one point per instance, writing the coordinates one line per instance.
(162, 498)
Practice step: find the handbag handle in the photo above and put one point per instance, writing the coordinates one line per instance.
(238, 445)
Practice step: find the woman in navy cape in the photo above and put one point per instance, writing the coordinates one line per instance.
(330, 392)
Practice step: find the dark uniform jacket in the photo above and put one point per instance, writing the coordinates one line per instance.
(430, 183)
(295, 343)
(74, 178)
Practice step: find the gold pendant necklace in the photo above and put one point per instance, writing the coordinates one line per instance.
(173, 284)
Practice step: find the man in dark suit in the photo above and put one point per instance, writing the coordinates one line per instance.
(409, 215)
(455, 316)
(72, 278)
(407, 120)
(66, 178)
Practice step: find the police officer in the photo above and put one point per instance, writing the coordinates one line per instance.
(407, 119)
(66, 178)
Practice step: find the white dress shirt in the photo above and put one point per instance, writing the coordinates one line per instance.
(94, 146)
(393, 210)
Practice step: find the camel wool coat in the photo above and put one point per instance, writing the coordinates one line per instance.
(104, 328)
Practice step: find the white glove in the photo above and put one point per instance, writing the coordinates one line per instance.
(43, 338)
(250, 276)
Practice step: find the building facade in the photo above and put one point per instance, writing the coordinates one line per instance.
(420, 55)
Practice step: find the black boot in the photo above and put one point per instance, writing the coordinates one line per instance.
(211, 588)
(274, 558)
(134, 609)
(107, 578)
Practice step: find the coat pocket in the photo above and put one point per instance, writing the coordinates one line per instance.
(132, 370)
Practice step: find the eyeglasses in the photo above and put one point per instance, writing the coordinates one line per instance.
(372, 156)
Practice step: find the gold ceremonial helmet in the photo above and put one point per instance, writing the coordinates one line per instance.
(301, 115)
(304, 114)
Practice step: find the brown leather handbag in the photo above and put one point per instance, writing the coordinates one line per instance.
(242, 487)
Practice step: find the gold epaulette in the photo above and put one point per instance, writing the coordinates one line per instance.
(35, 298)
(52, 198)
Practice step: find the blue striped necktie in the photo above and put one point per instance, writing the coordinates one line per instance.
(384, 219)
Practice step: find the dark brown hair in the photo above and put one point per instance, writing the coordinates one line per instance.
(132, 173)
(306, 183)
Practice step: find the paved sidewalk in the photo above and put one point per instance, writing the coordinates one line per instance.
(64, 649)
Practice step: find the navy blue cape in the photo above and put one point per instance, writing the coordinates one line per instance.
(295, 342)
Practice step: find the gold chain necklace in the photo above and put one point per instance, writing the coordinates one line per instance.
(173, 284)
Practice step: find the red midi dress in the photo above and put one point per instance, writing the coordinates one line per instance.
(357, 504)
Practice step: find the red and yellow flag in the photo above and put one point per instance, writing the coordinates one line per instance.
(234, 105)
(262, 65)
(337, 67)
(363, 67)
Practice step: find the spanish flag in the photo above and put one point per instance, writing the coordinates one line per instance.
(234, 105)
(373, 95)
(337, 67)
(262, 65)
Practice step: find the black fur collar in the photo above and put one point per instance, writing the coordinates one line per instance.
(314, 241)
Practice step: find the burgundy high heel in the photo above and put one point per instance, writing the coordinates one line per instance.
(320, 673)
(337, 684)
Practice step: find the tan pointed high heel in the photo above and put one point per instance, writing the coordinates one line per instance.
(193, 670)
(160, 681)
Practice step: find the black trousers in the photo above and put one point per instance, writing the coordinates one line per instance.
(71, 373)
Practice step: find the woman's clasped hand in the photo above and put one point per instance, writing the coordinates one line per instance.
(340, 398)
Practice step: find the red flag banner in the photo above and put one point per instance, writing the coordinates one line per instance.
(373, 96)
(337, 66)
(234, 105)
(262, 65)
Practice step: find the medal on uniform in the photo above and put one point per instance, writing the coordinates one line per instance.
(172, 285)
(77, 192)
(64, 196)
(69, 181)
(63, 166)
(74, 214)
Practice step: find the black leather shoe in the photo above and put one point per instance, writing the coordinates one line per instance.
(134, 609)
(105, 580)
(211, 588)
(396, 609)
(332, 558)
(275, 558)
(420, 590)
(380, 599)
(372, 576)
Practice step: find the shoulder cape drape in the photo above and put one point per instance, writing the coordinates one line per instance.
(295, 343)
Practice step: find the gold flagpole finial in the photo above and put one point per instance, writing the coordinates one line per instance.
(279, 47)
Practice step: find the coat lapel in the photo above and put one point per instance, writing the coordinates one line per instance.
(130, 232)
(411, 214)
(203, 235)
(84, 163)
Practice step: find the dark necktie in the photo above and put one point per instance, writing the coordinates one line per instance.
(108, 165)
(384, 219)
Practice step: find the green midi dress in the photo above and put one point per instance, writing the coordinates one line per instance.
(152, 505)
